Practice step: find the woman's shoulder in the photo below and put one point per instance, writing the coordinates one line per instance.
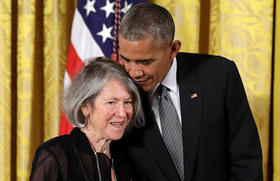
(58, 141)
(56, 148)
(49, 158)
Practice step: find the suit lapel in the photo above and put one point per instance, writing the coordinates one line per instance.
(190, 101)
(191, 106)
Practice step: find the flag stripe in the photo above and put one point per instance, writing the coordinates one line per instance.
(67, 81)
(65, 126)
(74, 63)
(92, 20)
(82, 40)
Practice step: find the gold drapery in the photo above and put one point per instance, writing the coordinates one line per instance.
(5, 89)
(242, 30)
(276, 97)
(34, 38)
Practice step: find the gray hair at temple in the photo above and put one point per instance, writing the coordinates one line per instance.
(88, 84)
(148, 20)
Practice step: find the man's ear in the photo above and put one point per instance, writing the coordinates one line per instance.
(175, 48)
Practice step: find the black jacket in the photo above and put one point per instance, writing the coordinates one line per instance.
(70, 157)
(220, 137)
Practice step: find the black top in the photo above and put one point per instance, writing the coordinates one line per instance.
(70, 157)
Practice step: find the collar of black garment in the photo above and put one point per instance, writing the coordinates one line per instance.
(81, 143)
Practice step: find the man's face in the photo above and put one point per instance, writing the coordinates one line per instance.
(146, 62)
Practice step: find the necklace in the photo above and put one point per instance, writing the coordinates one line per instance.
(98, 168)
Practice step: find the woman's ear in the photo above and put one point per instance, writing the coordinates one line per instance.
(85, 109)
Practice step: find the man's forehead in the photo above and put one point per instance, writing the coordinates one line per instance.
(148, 39)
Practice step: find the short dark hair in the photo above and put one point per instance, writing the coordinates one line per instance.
(148, 20)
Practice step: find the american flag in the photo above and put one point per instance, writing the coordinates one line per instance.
(94, 33)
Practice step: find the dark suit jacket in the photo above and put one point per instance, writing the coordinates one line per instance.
(220, 137)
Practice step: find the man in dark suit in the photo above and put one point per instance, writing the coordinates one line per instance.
(217, 130)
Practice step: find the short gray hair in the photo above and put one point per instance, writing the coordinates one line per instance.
(148, 20)
(88, 84)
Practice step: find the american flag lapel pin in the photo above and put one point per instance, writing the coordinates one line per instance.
(193, 95)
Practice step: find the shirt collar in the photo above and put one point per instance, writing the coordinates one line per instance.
(168, 80)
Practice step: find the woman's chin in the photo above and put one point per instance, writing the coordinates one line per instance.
(116, 136)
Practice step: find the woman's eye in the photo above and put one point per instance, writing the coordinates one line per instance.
(128, 102)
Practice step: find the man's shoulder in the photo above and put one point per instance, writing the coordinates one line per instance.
(203, 67)
(201, 58)
(207, 62)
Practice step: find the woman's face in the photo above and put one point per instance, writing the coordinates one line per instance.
(111, 112)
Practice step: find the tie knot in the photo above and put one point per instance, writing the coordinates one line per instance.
(163, 90)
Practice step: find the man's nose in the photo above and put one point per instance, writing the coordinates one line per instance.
(135, 71)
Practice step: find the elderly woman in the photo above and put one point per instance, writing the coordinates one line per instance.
(101, 103)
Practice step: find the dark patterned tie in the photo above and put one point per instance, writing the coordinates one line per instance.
(171, 130)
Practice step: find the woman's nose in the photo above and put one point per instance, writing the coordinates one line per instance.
(121, 110)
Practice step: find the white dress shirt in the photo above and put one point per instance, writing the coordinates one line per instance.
(170, 81)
